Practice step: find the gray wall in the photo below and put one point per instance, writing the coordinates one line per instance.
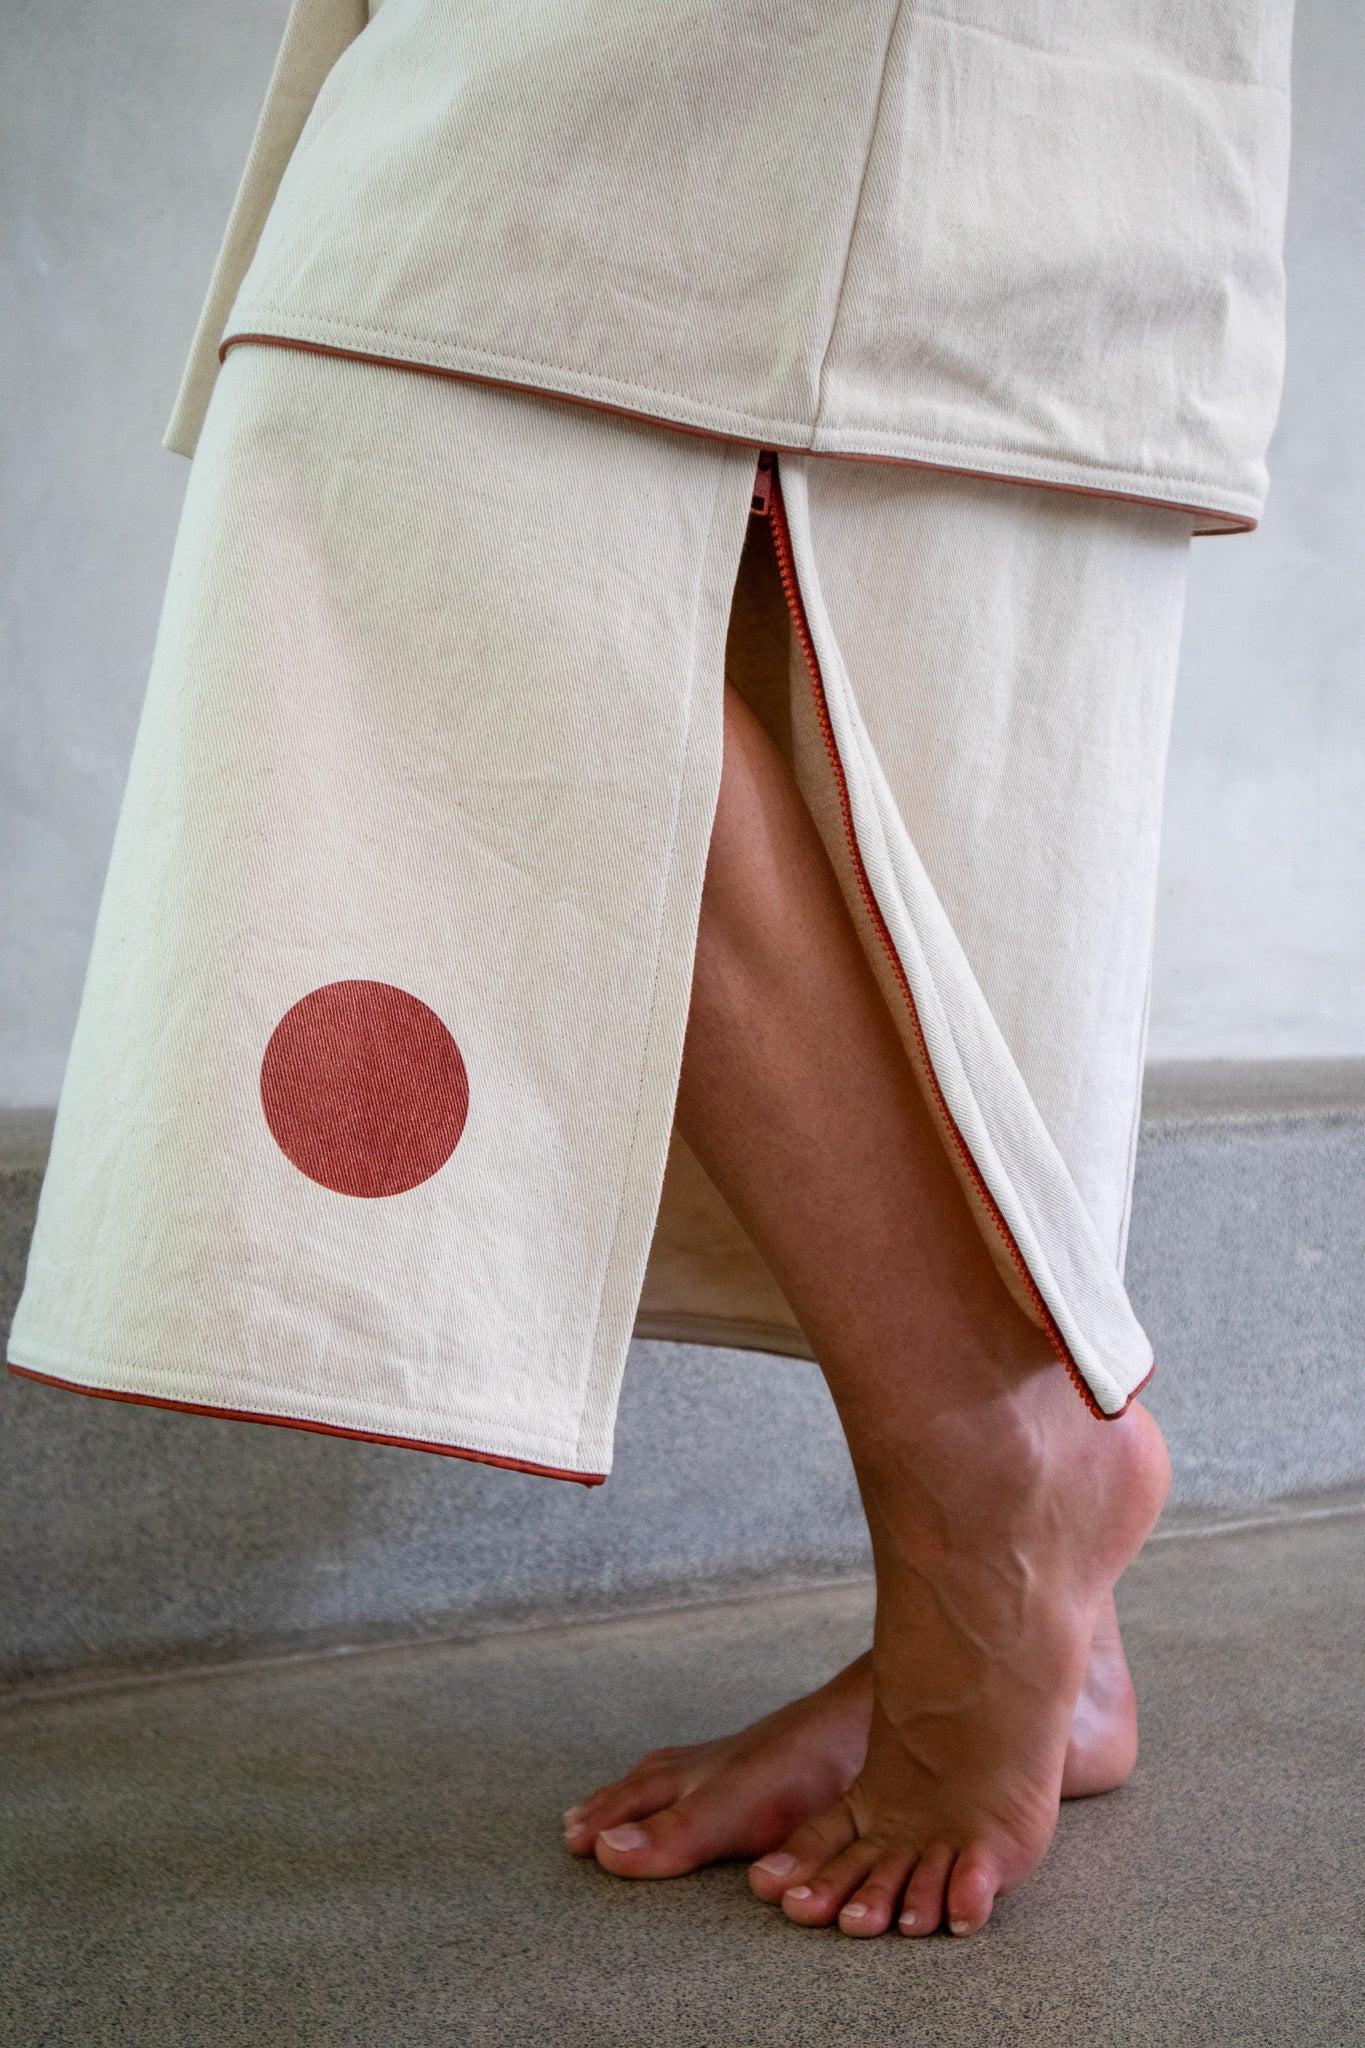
(124, 133)
(1261, 939)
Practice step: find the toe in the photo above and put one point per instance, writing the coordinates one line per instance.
(971, 1892)
(669, 1842)
(719, 1819)
(818, 1900)
(873, 1905)
(803, 1854)
(625, 1849)
(632, 1799)
(922, 1907)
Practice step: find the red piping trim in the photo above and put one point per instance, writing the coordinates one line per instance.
(1231, 522)
(776, 514)
(364, 1436)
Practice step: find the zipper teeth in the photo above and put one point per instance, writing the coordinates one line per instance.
(776, 515)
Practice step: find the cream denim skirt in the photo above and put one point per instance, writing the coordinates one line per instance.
(367, 1125)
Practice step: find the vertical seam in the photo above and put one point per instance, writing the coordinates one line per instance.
(853, 223)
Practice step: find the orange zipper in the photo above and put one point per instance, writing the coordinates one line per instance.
(767, 503)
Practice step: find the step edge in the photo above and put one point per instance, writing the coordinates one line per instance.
(1324, 1088)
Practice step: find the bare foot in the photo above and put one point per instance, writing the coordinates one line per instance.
(1001, 1511)
(993, 1554)
(1102, 1747)
(737, 1796)
(743, 1794)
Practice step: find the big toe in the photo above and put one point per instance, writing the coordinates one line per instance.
(680, 1837)
(630, 1799)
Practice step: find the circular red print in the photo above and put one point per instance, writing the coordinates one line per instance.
(364, 1089)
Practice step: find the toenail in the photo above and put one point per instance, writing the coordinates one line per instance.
(798, 1891)
(574, 1827)
(959, 1927)
(776, 1865)
(908, 1919)
(571, 1814)
(853, 1913)
(624, 1838)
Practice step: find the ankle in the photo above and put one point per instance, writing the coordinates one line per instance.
(972, 1415)
(976, 1471)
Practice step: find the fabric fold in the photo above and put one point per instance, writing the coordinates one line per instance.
(1031, 1211)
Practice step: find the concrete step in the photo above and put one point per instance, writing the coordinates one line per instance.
(128, 1535)
(348, 1851)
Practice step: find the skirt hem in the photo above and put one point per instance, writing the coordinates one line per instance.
(1238, 514)
(368, 1436)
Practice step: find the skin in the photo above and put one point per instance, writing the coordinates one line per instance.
(925, 1780)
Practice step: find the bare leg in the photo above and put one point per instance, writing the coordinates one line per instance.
(1001, 1511)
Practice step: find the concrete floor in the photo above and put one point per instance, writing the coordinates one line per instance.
(355, 1851)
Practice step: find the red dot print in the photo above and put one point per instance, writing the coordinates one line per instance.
(364, 1089)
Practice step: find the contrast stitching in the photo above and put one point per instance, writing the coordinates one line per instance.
(802, 431)
(483, 1421)
(491, 355)
(777, 515)
(365, 1436)
(761, 439)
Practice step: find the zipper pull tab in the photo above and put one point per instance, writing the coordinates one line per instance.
(763, 483)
